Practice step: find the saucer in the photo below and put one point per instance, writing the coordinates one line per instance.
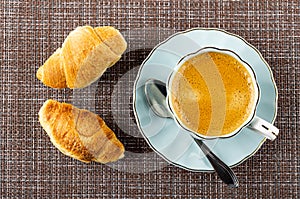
(171, 142)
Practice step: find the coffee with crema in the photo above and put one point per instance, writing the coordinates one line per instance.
(212, 94)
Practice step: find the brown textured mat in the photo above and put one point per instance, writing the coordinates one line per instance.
(31, 167)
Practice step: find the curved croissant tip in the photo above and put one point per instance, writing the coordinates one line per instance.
(121, 156)
(39, 73)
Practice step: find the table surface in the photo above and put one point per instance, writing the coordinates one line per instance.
(32, 167)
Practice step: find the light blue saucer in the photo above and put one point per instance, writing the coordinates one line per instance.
(171, 142)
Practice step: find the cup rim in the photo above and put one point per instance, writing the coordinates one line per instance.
(245, 64)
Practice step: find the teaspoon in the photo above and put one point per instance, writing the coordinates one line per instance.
(156, 93)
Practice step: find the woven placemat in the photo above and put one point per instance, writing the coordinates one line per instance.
(31, 167)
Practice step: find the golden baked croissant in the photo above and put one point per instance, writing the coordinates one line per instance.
(79, 133)
(84, 56)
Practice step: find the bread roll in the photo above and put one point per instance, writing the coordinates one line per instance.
(79, 133)
(84, 56)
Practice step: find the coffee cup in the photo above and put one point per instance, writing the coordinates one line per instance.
(213, 93)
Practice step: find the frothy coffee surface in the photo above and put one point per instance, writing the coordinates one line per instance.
(212, 94)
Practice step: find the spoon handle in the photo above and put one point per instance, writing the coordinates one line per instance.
(224, 172)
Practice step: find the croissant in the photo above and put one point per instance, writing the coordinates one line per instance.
(84, 56)
(79, 133)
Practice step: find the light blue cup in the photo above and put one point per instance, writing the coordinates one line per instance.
(259, 125)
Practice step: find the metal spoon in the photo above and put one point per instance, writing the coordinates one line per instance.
(156, 93)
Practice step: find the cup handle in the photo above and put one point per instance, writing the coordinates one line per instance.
(265, 128)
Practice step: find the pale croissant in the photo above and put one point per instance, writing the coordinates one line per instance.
(79, 133)
(84, 56)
